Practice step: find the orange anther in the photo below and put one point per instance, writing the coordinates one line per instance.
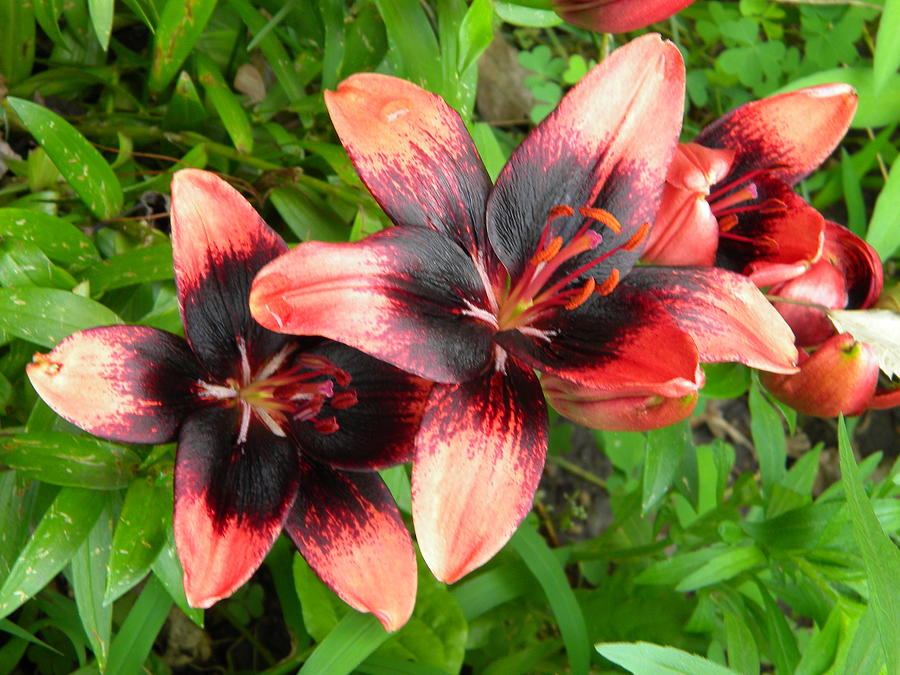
(548, 252)
(727, 223)
(767, 243)
(601, 216)
(637, 238)
(773, 206)
(583, 295)
(560, 210)
(609, 284)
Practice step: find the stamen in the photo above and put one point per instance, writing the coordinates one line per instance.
(727, 223)
(609, 284)
(601, 216)
(245, 423)
(586, 291)
(270, 423)
(246, 376)
(345, 399)
(326, 426)
(548, 253)
(637, 238)
(216, 391)
(554, 213)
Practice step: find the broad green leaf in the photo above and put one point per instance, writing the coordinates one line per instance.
(352, 640)
(519, 15)
(725, 380)
(480, 594)
(102, 17)
(413, 43)
(181, 23)
(671, 571)
(308, 218)
(224, 100)
(768, 438)
(135, 638)
(152, 263)
(24, 264)
(88, 581)
(139, 537)
(549, 573)
(887, 46)
(185, 109)
(332, 12)
(61, 458)
(322, 609)
(47, 13)
(874, 109)
(45, 316)
(643, 658)
(821, 650)
(167, 569)
(866, 654)
(665, 449)
(60, 532)
(58, 239)
(884, 228)
(723, 567)
(492, 153)
(475, 33)
(743, 654)
(16, 506)
(78, 161)
(16, 40)
(880, 555)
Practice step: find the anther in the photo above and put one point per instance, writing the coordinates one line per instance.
(549, 252)
(609, 284)
(601, 216)
(727, 223)
(772, 206)
(637, 238)
(582, 296)
(326, 426)
(344, 399)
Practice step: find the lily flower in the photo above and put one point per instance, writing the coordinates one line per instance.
(849, 275)
(840, 377)
(729, 199)
(273, 432)
(616, 16)
(479, 285)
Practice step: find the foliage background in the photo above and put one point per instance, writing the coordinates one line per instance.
(730, 543)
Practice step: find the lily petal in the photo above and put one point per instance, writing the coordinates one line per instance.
(403, 295)
(607, 145)
(378, 429)
(839, 377)
(616, 16)
(230, 501)
(822, 284)
(349, 530)
(624, 343)
(414, 154)
(479, 457)
(126, 383)
(859, 263)
(791, 133)
(219, 242)
(725, 314)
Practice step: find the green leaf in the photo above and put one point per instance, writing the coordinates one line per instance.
(887, 46)
(853, 195)
(229, 109)
(864, 653)
(664, 451)
(181, 23)
(725, 566)
(884, 228)
(533, 17)
(167, 569)
(413, 43)
(308, 218)
(135, 638)
(725, 380)
(102, 17)
(643, 658)
(78, 161)
(24, 264)
(768, 438)
(61, 458)
(45, 316)
(820, 652)
(549, 573)
(60, 532)
(58, 239)
(782, 642)
(152, 263)
(47, 14)
(185, 109)
(352, 640)
(475, 33)
(322, 609)
(88, 581)
(491, 589)
(880, 555)
(743, 654)
(139, 537)
(16, 41)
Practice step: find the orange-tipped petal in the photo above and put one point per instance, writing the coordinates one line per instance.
(838, 378)
(230, 501)
(479, 457)
(124, 383)
(617, 16)
(349, 530)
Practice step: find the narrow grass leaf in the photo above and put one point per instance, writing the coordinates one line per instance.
(60, 532)
(413, 42)
(168, 571)
(88, 582)
(549, 573)
(866, 654)
(768, 437)
(61, 458)
(102, 19)
(47, 13)
(884, 228)
(135, 638)
(887, 45)
(723, 567)
(475, 33)
(743, 654)
(308, 218)
(181, 23)
(17, 39)
(344, 648)
(664, 451)
(643, 658)
(45, 316)
(226, 104)
(78, 161)
(880, 556)
(783, 649)
(491, 589)
(820, 652)
(853, 196)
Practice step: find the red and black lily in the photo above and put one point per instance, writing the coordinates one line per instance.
(480, 285)
(729, 199)
(273, 432)
(617, 16)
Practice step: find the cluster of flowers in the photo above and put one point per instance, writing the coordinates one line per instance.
(305, 371)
